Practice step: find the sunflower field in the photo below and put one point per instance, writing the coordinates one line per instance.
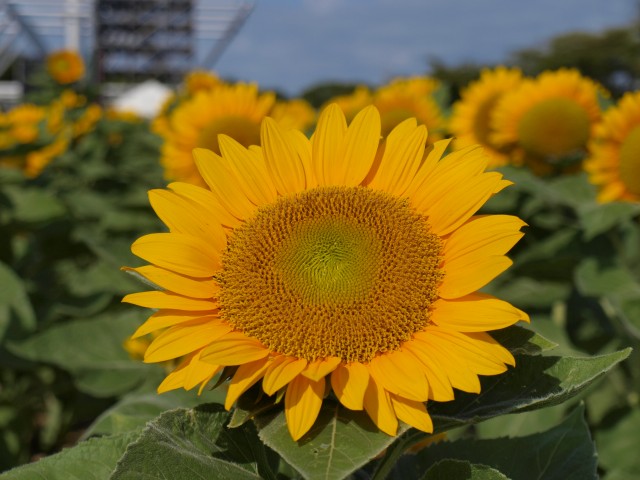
(381, 283)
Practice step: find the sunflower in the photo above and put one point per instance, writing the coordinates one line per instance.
(233, 110)
(296, 113)
(65, 66)
(548, 119)
(470, 120)
(353, 102)
(318, 266)
(403, 99)
(200, 80)
(614, 160)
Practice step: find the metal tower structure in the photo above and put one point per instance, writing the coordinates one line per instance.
(127, 40)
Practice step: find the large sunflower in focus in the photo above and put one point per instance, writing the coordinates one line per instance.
(548, 119)
(233, 110)
(318, 266)
(470, 120)
(65, 66)
(614, 161)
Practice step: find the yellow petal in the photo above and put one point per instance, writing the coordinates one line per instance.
(481, 360)
(440, 386)
(282, 370)
(244, 378)
(250, 170)
(396, 372)
(349, 382)
(302, 404)
(485, 236)
(168, 318)
(461, 376)
(412, 412)
(476, 312)
(183, 254)
(207, 202)
(198, 372)
(360, 145)
(403, 152)
(157, 299)
(377, 404)
(302, 146)
(459, 202)
(321, 367)
(466, 275)
(180, 284)
(235, 348)
(281, 158)
(422, 178)
(327, 144)
(185, 338)
(176, 378)
(223, 183)
(183, 216)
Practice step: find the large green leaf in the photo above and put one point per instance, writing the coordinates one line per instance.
(196, 444)
(133, 411)
(340, 442)
(461, 470)
(92, 351)
(34, 205)
(16, 313)
(536, 382)
(565, 452)
(93, 459)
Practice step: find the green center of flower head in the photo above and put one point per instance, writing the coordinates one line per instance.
(630, 161)
(554, 128)
(348, 272)
(243, 130)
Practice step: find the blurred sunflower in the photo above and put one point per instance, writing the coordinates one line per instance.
(65, 66)
(353, 102)
(200, 80)
(23, 122)
(234, 110)
(470, 120)
(318, 265)
(296, 113)
(548, 120)
(404, 99)
(614, 161)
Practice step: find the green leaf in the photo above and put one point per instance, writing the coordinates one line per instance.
(16, 312)
(33, 205)
(133, 411)
(535, 382)
(195, 444)
(616, 444)
(93, 459)
(599, 278)
(340, 441)
(461, 470)
(598, 218)
(92, 350)
(520, 340)
(527, 292)
(565, 452)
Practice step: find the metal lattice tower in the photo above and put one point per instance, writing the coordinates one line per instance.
(130, 40)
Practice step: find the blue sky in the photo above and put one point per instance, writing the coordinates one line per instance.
(291, 45)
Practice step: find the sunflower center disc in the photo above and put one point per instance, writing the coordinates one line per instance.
(347, 272)
(240, 129)
(630, 161)
(554, 128)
